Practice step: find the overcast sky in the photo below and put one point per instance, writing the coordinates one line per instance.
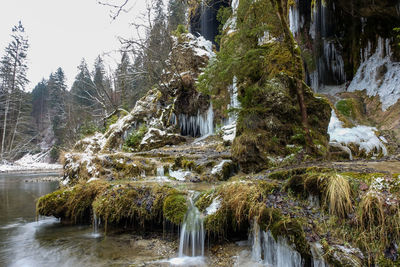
(62, 32)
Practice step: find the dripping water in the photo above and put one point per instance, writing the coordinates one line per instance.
(96, 224)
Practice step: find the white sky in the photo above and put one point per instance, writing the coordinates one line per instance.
(62, 32)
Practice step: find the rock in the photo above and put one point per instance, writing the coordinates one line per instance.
(224, 170)
(156, 138)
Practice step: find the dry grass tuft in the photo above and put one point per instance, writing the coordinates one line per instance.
(338, 196)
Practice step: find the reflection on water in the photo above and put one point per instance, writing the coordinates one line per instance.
(47, 242)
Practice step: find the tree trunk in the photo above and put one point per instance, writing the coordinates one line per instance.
(3, 139)
(16, 124)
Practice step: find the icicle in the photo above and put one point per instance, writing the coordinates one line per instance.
(378, 74)
(295, 20)
(271, 252)
(334, 61)
(200, 125)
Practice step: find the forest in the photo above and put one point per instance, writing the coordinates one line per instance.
(51, 117)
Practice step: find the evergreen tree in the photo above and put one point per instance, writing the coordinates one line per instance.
(83, 88)
(40, 104)
(58, 113)
(124, 77)
(176, 14)
(13, 70)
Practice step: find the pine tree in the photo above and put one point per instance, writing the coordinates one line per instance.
(40, 105)
(176, 14)
(13, 70)
(123, 82)
(58, 113)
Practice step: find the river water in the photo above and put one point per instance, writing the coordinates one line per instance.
(47, 242)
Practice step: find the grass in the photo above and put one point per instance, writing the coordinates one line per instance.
(338, 196)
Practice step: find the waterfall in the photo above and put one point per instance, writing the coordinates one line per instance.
(334, 61)
(199, 125)
(317, 252)
(96, 223)
(270, 252)
(192, 236)
(160, 171)
(330, 68)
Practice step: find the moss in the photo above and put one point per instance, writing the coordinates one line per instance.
(113, 119)
(72, 204)
(240, 202)
(53, 204)
(135, 137)
(133, 204)
(292, 230)
(345, 107)
(128, 203)
(175, 208)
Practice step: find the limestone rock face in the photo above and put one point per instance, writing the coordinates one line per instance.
(280, 120)
(153, 123)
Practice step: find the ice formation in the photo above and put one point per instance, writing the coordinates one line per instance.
(378, 74)
(363, 136)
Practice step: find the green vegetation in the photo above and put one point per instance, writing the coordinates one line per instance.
(268, 74)
(175, 208)
(134, 139)
(128, 203)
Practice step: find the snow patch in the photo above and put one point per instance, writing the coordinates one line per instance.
(214, 206)
(363, 136)
(179, 175)
(29, 162)
(201, 46)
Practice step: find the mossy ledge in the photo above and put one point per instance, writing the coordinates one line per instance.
(354, 216)
(128, 204)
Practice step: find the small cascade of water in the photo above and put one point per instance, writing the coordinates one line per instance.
(96, 224)
(270, 252)
(192, 233)
(199, 125)
(160, 171)
(192, 237)
(317, 252)
(398, 8)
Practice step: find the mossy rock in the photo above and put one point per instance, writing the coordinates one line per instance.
(240, 202)
(128, 203)
(175, 208)
(71, 204)
(293, 231)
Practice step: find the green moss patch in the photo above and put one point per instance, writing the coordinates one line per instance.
(128, 203)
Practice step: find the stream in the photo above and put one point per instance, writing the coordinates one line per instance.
(47, 242)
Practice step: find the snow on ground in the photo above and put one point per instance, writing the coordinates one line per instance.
(201, 46)
(179, 175)
(218, 168)
(214, 206)
(29, 162)
(362, 136)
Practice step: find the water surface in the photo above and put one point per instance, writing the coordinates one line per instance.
(47, 242)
